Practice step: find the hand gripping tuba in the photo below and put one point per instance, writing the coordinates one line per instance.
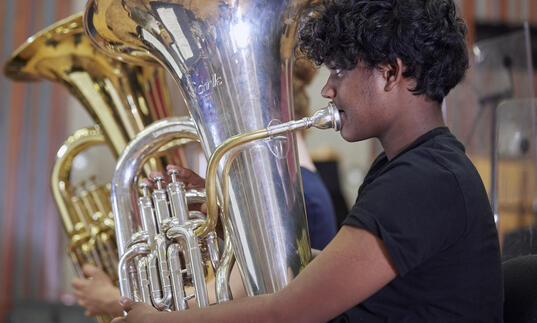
(122, 99)
(233, 62)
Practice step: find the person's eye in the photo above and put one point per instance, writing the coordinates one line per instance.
(339, 72)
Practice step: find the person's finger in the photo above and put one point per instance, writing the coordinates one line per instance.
(89, 268)
(154, 174)
(79, 294)
(203, 208)
(78, 282)
(96, 273)
(187, 176)
(172, 166)
(126, 303)
(118, 319)
(93, 271)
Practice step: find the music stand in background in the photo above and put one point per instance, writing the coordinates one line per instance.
(500, 70)
(516, 150)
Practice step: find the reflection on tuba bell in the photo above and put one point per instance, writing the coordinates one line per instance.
(233, 62)
(121, 99)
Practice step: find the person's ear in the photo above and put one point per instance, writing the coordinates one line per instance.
(392, 74)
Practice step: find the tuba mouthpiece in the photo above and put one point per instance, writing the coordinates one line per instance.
(326, 118)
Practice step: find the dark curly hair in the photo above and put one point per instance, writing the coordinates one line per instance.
(427, 35)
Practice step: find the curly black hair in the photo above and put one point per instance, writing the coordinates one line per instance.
(427, 35)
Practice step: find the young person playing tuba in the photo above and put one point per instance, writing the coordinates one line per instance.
(420, 243)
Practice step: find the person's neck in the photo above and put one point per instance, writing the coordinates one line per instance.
(415, 120)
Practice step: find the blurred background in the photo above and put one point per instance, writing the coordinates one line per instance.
(491, 112)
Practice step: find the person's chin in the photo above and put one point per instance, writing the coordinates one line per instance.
(346, 136)
(351, 136)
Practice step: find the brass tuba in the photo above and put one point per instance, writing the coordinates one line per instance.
(122, 99)
(233, 62)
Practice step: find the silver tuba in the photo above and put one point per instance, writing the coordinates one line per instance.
(233, 62)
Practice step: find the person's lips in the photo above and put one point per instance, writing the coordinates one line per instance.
(342, 115)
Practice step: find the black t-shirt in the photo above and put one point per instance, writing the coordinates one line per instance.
(429, 207)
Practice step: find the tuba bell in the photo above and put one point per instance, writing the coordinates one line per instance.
(122, 99)
(233, 61)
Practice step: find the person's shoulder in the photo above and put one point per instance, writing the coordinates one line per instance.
(438, 161)
(442, 151)
(448, 152)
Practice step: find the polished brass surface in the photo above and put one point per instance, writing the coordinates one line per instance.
(85, 216)
(122, 99)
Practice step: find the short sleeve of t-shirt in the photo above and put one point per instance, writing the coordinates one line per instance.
(414, 204)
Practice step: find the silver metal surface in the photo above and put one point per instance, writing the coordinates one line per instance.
(156, 276)
(194, 261)
(139, 150)
(233, 61)
(125, 269)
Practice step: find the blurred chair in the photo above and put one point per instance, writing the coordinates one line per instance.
(520, 287)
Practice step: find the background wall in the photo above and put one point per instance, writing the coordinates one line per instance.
(32, 126)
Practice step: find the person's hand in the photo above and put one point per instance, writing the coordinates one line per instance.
(96, 293)
(185, 175)
(188, 177)
(137, 312)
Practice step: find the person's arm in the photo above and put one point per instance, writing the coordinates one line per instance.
(96, 293)
(351, 268)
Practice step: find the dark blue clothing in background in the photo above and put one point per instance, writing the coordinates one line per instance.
(319, 209)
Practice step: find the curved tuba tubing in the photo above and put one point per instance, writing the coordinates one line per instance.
(233, 61)
(151, 268)
(169, 233)
(86, 218)
(121, 99)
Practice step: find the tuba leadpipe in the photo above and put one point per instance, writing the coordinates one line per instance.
(233, 62)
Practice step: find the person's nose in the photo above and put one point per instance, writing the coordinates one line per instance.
(328, 91)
